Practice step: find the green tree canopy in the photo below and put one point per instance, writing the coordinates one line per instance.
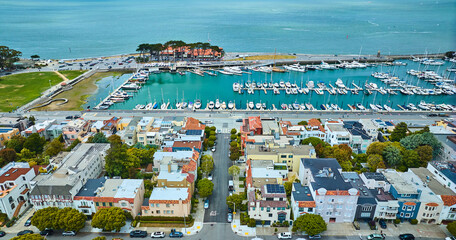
(99, 238)
(34, 236)
(144, 155)
(119, 162)
(392, 155)
(399, 132)
(54, 147)
(233, 131)
(35, 143)
(73, 145)
(451, 227)
(410, 159)
(26, 154)
(376, 148)
(207, 164)
(45, 218)
(234, 170)
(109, 219)
(16, 142)
(99, 138)
(8, 155)
(311, 224)
(69, 219)
(235, 199)
(115, 139)
(33, 57)
(425, 154)
(375, 161)
(8, 56)
(314, 141)
(288, 187)
(303, 123)
(415, 140)
(205, 187)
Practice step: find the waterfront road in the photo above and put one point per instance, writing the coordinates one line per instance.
(218, 210)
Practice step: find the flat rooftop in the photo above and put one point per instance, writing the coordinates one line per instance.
(427, 177)
(325, 172)
(169, 194)
(297, 150)
(121, 188)
(401, 185)
(301, 193)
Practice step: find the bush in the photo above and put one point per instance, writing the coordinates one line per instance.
(397, 221)
(414, 221)
(275, 229)
(134, 223)
(451, 227)
(158, 218)
(252, 223)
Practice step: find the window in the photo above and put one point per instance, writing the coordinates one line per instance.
(283, 156)
(157, 205)
(123, 204)
(270, 215)
(402, 214)
(110, 204)
(151, 205)
(290, 156)
(104, 204)
(309, 209)
(301, 209)
(407, 215)
(253, 208)
(168, 205)
(268, 209)
(158, 211)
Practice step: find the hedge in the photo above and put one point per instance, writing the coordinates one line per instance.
(160, 218)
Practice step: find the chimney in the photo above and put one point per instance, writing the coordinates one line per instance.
(379, 191)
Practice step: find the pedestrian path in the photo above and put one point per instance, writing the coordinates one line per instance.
(242, 230)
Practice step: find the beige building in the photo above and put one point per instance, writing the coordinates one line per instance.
(168, 202)
(171, 176)
(6, 134)
(287, 154)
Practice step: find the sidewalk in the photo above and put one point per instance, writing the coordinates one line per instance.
(242, 230)
(19, 224)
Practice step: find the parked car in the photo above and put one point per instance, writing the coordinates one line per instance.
(382, 223)
(206, 204)
(69, 233)
(28, 222)
(241, 160)
(158, 235)
(239, 120)
(138, 233)
(209, 176)
(2, 233)
(230, 210)
(24, 232)
(284, 235)
(213, 149)
(175, 234)
(230, 217)
(376, 236)
(47, 232)
(407, 236)
(318, 236)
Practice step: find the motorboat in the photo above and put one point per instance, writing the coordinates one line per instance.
(258, 106)
(197, 104)
(230, 105)
(236, 86)
(217, 104)
(251, 105)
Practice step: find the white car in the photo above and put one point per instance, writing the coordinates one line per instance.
(69, 233)
(284, 235)
(158, 235)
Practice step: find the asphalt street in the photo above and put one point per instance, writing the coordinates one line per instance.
(218, 209)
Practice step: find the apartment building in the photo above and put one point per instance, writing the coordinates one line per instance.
(168, 202)
(270, 204)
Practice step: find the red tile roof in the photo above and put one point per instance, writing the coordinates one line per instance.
(432, 204)
(189, 167)
(448, 200)
(337, 192)
(248, 179)
(193, 124)
(190, 178)
(410, 203)
(187, 144)
(255, 123)
(13, 174)
(307, 204)
(316, 123)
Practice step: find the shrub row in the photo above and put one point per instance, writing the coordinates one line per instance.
(159, 218)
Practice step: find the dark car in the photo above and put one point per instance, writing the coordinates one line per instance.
(2, 233)
(407, 236)
(47, 232)
(28, 222)
(138, 233)
(175, 234)
(432, 115)
(69, 117)
(239, 120)
(382, 223)
(24, 232)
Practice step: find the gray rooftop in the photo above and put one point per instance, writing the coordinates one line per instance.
(375, 176)
(365, 196)
(427, 177)
(90, 188)
(264, 150)
(301, 193)
(443, 138)
(325, 172)
(401, 185)
(121, 188)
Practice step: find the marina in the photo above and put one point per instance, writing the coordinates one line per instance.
(405, 85)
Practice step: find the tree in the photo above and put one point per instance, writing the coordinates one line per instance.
(212, 138)
(302, 123)
(35, 143)
(375, 148)
(205, 187)
(99, 138)
(144, 155)
(54, 147)
(234, 170)
(73, 145)
(119, 162)
(415, 140)
(45, 218)
(392, 155)
(451, 227)
(313, 140)
(109, 219)
(99, 238)
(207, 164)
(311, 224)
(410, 159)
(425, 154)
(399, 132)
(69, 219)
(8, 155)
(32, 120)
(288, 187)
(33, 236)
(8, 57)
(16, 143)
(233, 131)
(35, 57)
(26, 154)
(375, 161)
(115, 139)
(235, 199)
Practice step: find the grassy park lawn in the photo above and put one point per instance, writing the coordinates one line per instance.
(19, 89)
(78, 95)
(264, 57)
(72, 74)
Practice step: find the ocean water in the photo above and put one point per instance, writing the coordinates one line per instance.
(89, 28)
(166, 87)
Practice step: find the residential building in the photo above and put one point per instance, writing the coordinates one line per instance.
(193, 124)
(40, 128)
(371, 127)
(250, 126)
(374, 180)
(448, 149)
(144, 131)
(444, 172)
(289, 155)
(76, 129)
(187, 146)
(378, 186)
(336, 200)
(15, 122)
(171, 176)
(359, 139)
(55, 130)
(406, 194)
(15, 188)
(168, 202)
(366, 204)
(84, 162)
(83, 200)
(448, 213)
(336, 133)
(302, 201)
(269, 205)
(128, 133)
(262, 172)
(6, 134)
(180, 157)
(314, 128)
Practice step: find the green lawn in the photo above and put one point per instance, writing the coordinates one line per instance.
(19, 89)
(72, 74)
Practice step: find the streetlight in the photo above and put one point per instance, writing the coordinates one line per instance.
(50, 83)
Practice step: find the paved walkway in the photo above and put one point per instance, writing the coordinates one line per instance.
(65, 79)
(242, 230)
